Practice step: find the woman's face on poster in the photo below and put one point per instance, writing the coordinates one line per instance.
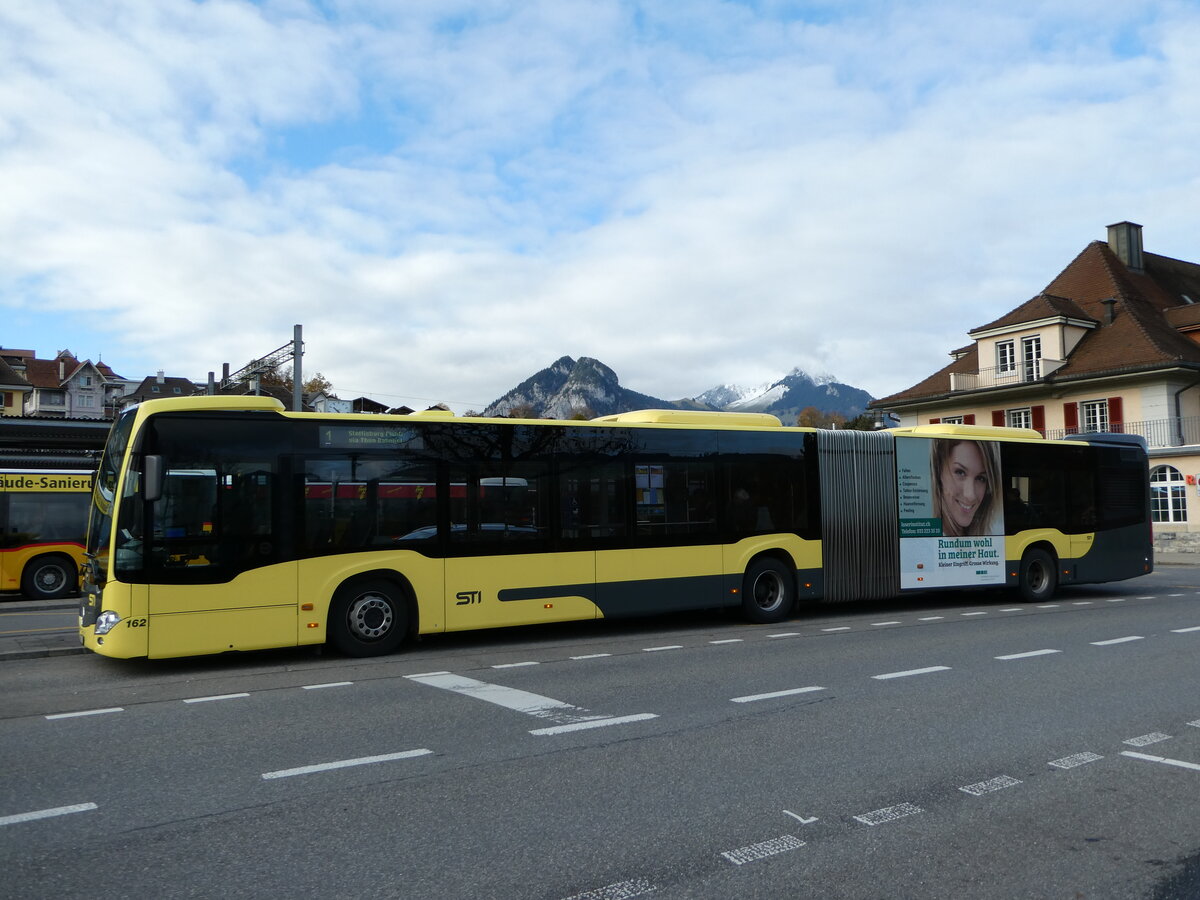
(964, 483)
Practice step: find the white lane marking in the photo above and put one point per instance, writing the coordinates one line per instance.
(46, 813)
(773, 694)
(418, 676)
(1145, 740)
(1162, 759)
(1174, 595)
(905, 674)
(785, 634)
(1123, 640)
(1077, 759)
(877, 624)
(999, 783)
(565, 716)
(839, 628)
(1081, 602)
(510, 698)
(974, 614)
(592, 656)
(1012, 609)
(215, 697)
(622, 890)
(930, 618)
(799, 818)
(517, 665)
(1195, 724)
(763, 849)
(594, 723)
(1028, 654)
(1185, 630)
(345, 764)
(1148, 597)
(729, 641)
(329, 684)
(1048, 606)
(889, 814)
(668, 647)
(1116, 599)
(87, 712)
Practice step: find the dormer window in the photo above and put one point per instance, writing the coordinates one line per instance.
(1031, 358)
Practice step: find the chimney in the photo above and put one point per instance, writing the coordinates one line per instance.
(1125, 240)
(1111, 312)
(161, 376)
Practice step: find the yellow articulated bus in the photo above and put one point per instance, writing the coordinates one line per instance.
(43, 518)
(222, 523)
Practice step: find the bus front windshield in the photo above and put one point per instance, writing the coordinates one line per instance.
(105, 490)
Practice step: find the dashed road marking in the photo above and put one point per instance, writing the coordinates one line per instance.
(785, 634)
(999, 783)
(973, 614)
(729, 641)
(1185, 630)
(667, 647)
(839, 628)
(344, 764)
(622, 890)
(594, 723)
(889, 814)
(878, 624)
(1048, 606)
(909, 672)
(1145, 740)
(87, 712)
(1027, 654)
(763, 849)
(1012, 609)
(510, 698)
(216, 697)
(46, 813)
(1120, 640)
(330, 684)
(1077, 759)
(773, 694)
(516, 665)
(592, 656)
(930, 618)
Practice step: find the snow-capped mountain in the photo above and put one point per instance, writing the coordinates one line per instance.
(587, 388)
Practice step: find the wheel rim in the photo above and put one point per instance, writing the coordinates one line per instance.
(1038, 577)
(370, 617)
(50, 579)
(768, 591)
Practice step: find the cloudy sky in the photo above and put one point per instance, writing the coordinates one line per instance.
(450, 194)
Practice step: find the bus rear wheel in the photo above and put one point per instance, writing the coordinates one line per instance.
(1038, 579)
(368, 618)
(768, 592)
(49, 577)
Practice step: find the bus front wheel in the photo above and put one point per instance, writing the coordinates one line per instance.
(368, 618)
(49, 577)
(767, 592)
(1038, 577)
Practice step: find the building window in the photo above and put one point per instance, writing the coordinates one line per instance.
(85, 380)
(1168, 495)
(87, 401)
(1006, 357)
(1031, 358)
(952, 420)
(1019, 418)
(1095, 415)
(52, 398)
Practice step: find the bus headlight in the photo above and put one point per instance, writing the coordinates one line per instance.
(107, 621)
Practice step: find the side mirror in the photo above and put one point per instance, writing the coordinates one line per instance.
(152, 477)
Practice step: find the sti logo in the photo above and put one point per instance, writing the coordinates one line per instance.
(468, 598)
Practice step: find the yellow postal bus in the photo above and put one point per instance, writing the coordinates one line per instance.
(43, 519)
(228, 523)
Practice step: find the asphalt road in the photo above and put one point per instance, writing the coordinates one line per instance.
(961, 746)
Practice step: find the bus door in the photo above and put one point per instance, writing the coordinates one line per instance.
(500, 569)
(215, 560)
(676, 561)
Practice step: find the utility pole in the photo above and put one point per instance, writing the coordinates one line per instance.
(257, 367)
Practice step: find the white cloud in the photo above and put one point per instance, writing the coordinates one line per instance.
(451, 195)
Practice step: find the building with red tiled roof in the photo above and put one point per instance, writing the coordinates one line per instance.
(62, 387)
(1111, 344)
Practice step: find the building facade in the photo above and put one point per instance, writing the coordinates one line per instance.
(1111, 344)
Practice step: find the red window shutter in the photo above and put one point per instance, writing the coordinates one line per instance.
(935, 421)
(998, 417)
(1038, 414)
(1116, 419)
(1071, 417)
(969, 419)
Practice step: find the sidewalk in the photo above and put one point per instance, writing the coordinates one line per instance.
(62, 643)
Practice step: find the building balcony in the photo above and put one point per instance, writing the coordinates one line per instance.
(1178, 431)
(1023, 373)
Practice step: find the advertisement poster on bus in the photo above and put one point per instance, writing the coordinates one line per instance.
(951, 513)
